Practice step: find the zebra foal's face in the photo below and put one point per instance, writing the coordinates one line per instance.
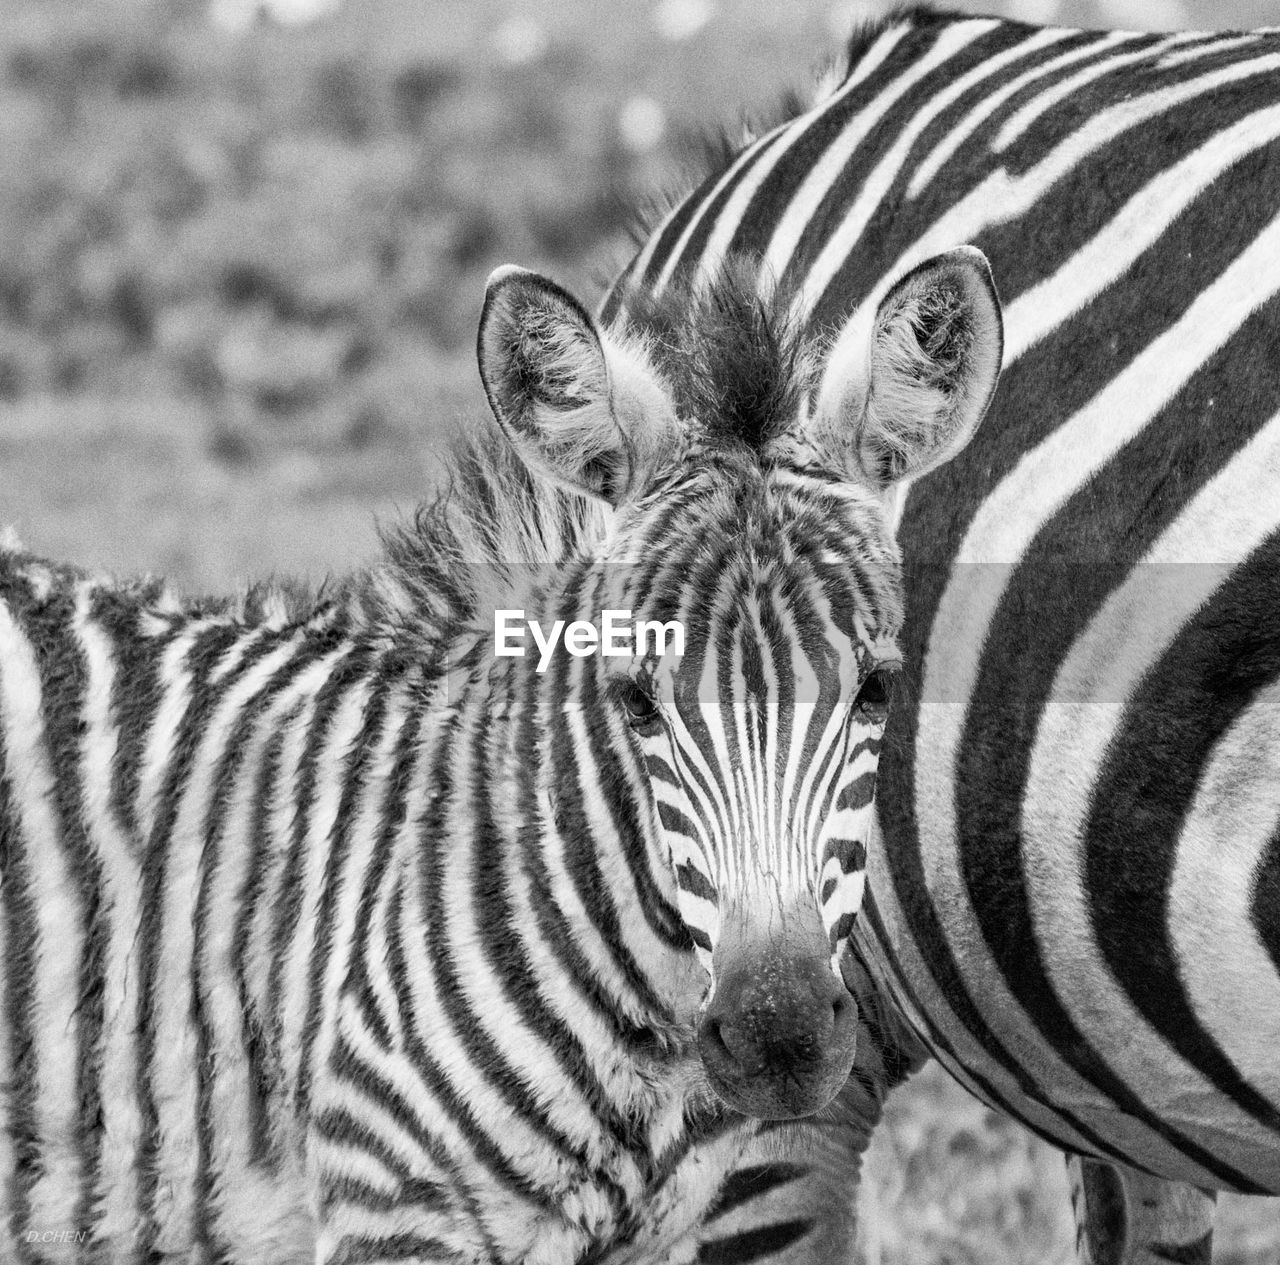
(750, 473)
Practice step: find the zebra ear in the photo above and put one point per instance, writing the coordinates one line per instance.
(928, 368)
(582, 408)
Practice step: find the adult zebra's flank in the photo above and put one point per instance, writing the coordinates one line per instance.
(1076, 898)
(329, 934)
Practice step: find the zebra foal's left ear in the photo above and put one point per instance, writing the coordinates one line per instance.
(582, 408)
(909, 392)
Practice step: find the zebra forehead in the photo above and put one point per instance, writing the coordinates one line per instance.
(738, 538)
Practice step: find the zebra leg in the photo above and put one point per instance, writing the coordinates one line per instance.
(1127, 1218)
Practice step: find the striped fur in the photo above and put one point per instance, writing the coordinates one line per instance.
(1074, 895)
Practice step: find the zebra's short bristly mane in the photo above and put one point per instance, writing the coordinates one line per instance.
(475, 544)
(868, 31)
(704, 153)
(707, 153)
(736, 362)
(277, 602)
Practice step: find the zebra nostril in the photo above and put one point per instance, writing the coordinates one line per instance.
(838, 1009)
(844, 1015)
(728, 1046)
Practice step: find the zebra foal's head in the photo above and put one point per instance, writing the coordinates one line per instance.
(749, 470)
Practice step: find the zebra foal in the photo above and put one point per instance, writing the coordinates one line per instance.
(1072, 892)
(329, 934)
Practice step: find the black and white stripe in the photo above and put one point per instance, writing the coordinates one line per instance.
(1074, 895)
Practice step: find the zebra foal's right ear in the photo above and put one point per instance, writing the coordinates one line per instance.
(582, 408)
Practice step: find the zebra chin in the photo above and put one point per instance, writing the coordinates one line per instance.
(777, 1037)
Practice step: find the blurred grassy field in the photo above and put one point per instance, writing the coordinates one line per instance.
(240, 272)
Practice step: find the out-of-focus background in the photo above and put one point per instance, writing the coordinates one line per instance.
(242, 251)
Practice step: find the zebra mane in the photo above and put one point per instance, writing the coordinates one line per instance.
(737, 363)
(153, 602)
(474, 545)
(707, 153)
(867, 32)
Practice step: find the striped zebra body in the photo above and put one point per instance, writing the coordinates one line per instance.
(1073, 895)
(330, 933)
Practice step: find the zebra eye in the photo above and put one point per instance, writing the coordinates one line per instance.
(638, 703)
(874, 697)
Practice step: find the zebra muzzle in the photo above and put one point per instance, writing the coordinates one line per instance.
(777, 1036)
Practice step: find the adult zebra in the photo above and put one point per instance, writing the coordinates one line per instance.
(327, 933)
(1076, 899)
